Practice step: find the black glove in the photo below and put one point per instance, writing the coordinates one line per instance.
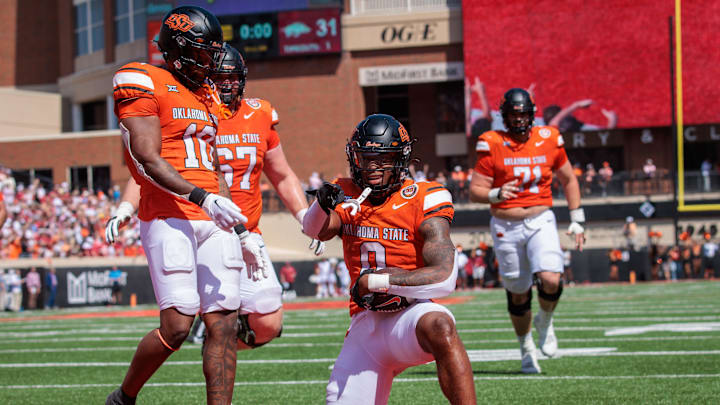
(328, 196)
(366, 300)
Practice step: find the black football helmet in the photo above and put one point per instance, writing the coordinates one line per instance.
(379, 137)
(518, 101)
(191, 41)
(229, 76)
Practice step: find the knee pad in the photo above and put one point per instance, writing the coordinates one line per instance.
(522, 309)
(549, 297)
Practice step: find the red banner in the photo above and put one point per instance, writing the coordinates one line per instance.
(607, 58)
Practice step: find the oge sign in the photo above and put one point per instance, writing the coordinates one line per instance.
(408, 33)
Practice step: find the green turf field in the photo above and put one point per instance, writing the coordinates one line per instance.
(622, 344)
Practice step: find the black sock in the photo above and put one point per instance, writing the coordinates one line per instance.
(127, 399)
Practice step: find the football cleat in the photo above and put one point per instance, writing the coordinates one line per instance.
(117, 397)
(528, 360)
(546, 336)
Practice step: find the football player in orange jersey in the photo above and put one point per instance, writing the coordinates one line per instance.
(396, 242)
(247, 145)
(168, 121)
(513, 173)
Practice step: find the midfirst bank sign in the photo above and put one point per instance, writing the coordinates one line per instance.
(91, 287)
(409, 74)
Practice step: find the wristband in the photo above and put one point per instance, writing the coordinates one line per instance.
(494, 196)
(577, 215)
(241, 231)
(378, 282)
(125, 209)
(300, 215)
(197, 196)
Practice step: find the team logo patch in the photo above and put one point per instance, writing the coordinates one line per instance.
(403, 134)
(172, 88)
(409, 191)
(180, 22)
(545, 133)
(253, 103)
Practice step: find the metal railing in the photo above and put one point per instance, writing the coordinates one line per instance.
(358, 7)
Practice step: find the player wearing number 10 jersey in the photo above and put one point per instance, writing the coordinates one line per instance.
(514, 173)
(398, 250)
(168, 120)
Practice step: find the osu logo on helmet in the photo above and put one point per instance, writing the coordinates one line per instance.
(180, 22)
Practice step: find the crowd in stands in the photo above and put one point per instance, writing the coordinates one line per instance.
(60, 222)
(695, 256)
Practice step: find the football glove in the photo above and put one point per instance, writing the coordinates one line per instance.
(223, 211)
(377, 301)
(253, 256)
(329, 196)
(121, 218)
(317, 246)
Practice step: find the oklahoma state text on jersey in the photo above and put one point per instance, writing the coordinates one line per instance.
(532, 163)
(242, 142)
(188, 124)
(388, 235)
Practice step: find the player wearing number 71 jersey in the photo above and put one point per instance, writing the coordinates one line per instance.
(396, 242)
(514, 173)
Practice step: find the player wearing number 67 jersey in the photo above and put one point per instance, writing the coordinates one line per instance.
(168, 121)
(248, 145)
(513, 173)
(396, 242)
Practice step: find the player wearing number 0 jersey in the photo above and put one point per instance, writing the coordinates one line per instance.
(514, 173)
(168, 120)
(388, 235)
(396, 242)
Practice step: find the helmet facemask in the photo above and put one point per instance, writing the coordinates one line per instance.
(229, 77)
(382, 169)
(518, 112)
(196, 60)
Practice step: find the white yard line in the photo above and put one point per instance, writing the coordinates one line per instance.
(396, 380)
(275, 344)
(475, 355)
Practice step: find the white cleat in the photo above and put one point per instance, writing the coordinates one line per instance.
(529, 363)
(546, 336)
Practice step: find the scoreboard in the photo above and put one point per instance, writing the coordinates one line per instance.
(284, 33)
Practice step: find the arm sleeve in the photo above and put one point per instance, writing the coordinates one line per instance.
(428, 291)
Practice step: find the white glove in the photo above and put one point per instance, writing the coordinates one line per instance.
(575, 229)
(253, 256)
(577, 218)
(223, 211)
(318, 246)
(121, 218)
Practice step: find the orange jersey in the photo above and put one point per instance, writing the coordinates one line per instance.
(242, 142)
(188, 125)
(388, 235)
(532, 163)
